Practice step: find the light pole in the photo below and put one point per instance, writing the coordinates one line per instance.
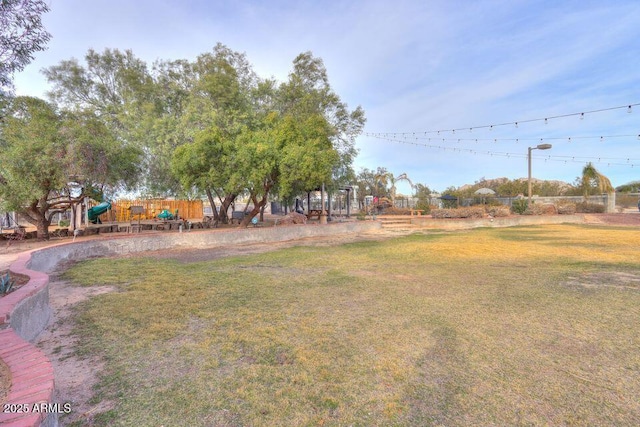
(537, 147)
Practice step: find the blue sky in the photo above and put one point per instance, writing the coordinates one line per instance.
(415, 67)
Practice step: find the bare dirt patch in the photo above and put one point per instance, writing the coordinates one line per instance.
(614, 280)
(74, 376)
(623, 219)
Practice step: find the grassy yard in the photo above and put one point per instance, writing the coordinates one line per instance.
(518, 326)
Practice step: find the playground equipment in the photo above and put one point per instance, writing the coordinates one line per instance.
(165, 214)
(94, 213)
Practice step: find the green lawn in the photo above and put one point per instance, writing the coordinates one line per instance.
(518, 326)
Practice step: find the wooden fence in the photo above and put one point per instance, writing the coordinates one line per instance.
(188, 209)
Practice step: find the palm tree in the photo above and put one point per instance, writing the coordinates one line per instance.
(590, 175)
(381, 181)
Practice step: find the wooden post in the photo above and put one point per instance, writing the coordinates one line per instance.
(323, 217)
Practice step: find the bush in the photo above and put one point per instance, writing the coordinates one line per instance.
(519, 206)
(535, 209)
(498, 211)
(549, 209)
(626, 200)
(397, 211)
(566, 208)
(424, 207)
(64, 223)
(467, 212)
(586, 207)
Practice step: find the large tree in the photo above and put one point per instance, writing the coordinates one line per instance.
(200, 123)
(263, 138)
(50, 161)
(308, 92)
(159, 107)
(21, 34)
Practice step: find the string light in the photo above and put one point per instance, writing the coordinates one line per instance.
(567, 138)
(557, 158)
(628, 107)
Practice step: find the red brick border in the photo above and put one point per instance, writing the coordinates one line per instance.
(32, 377)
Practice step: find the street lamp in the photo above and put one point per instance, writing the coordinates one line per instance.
(537, 147)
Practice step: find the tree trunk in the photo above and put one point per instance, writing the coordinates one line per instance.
(257, 206)
(42, 228)
(38, 217)
(213, 205)
(224, 208)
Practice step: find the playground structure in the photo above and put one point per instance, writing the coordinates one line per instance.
(158, 208)
(93, 214)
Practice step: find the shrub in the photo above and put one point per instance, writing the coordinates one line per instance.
(64, 223)
(626, 200)
(424, 207)
(498, 211)
(586, 207)
(566, 208)
(535, 209)
(519, 206)
(397, 211)
(549, 209)
(466, 212)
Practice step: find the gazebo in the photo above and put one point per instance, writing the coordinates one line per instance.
(484, 192)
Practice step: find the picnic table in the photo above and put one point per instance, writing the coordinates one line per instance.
(316, 212)
(237, 216)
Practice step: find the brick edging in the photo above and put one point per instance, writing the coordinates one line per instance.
(32, 376)
(32, 381)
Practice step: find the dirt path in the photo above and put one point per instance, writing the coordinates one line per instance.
(626, 219)
(74, 376)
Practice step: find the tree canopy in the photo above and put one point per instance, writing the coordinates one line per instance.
(21, 34)
(51, 160)
(212, 126)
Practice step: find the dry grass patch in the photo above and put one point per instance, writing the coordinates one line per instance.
(485, 327)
